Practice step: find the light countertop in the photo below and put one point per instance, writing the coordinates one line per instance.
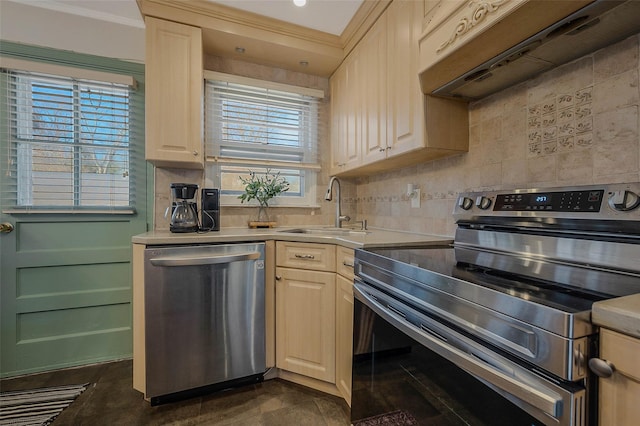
(357, 239)
(620, 314)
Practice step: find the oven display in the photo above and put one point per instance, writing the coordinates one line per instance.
(566, 201)
(542, 199)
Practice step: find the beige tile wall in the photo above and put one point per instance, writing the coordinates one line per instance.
(576, 124)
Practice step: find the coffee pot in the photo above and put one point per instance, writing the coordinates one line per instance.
(184, 216)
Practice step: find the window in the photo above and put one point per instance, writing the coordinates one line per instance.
(69, 143)
(251, 125)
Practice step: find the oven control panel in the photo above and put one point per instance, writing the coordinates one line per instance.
(606, 201)
(564, 201)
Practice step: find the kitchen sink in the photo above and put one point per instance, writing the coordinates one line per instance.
(325, 231)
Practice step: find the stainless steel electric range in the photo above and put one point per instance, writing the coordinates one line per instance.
(495, 329)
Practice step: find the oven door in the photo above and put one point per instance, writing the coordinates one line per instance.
(408, 366)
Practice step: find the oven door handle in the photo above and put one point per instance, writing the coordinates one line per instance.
(550, 402)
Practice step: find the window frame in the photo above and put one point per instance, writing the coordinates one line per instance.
(216, 163)
(25, 72)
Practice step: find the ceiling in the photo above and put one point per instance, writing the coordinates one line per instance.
(313, 39)
(330, 16)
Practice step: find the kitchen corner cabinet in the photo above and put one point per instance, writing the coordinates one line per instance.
(380, 118)
(174, 93)
(305, 309)
(620, 393)
(344, 321)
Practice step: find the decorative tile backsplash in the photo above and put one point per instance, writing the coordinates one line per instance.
(560, 124)
(576, 124)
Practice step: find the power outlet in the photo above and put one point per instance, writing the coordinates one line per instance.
(415, 200)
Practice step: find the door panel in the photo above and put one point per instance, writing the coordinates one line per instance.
(66, 291)
(65, 278)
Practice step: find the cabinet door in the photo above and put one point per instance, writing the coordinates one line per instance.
(352, 105)
(405, 115)
(305, 323)
(373, 88)
(174, 92)
(344, 336)
(344, 146)
(620, 393)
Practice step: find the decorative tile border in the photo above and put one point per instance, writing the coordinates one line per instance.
(560, 124)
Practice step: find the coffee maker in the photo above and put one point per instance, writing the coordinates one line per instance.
(184, 210)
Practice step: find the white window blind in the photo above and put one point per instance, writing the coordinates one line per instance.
(68, 143)
(259, 127)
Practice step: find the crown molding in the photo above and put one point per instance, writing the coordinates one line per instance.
(219, 16)
(76, 8)
(364, 18)
(274, 42)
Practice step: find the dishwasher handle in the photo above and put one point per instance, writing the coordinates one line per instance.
(207, 259)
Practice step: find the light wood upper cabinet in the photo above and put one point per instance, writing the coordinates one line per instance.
(396, 125)
(345, 138)
(174, 93)
(620, 393)
(405, 119)
(372, 79)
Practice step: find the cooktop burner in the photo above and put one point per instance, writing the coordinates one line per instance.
(443, 261)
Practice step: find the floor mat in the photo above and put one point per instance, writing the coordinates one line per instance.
(36, 406)
(395, 418)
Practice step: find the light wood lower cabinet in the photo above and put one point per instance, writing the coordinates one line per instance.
(305, 322)
(620, 393)
(344, 320)
(344, 335)
(306, 309)
(314, 315)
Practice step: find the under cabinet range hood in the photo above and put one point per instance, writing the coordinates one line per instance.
(597, 25)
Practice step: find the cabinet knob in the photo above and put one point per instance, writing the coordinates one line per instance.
(382, 149)
(278, 277)
(195, 153)
(601, 367)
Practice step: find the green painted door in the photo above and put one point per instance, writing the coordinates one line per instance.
(66, 282)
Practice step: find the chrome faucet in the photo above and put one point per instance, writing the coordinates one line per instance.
(339, 217)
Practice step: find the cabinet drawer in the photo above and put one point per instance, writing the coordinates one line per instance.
(622, 351)
(344, 262)
(317, 257)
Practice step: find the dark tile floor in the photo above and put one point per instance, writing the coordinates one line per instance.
(111, 400)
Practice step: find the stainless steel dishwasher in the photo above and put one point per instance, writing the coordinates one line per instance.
(204, 318)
